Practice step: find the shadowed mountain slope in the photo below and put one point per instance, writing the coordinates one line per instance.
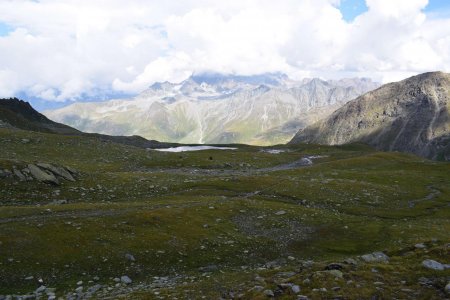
(412, 115)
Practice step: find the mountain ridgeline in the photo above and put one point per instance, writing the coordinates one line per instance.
(412, 115)
(19, 114)
(213, 108)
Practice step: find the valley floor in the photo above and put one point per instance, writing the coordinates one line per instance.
(245, 223)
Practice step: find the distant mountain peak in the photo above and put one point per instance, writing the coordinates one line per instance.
(217, 108)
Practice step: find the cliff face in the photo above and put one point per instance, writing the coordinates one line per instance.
(412, 115)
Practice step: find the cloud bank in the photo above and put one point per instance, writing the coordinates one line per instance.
(69, 49)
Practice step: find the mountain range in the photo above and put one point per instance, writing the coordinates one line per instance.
(214, 108)
(412, 115)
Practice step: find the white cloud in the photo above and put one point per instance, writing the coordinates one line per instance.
(69, 49)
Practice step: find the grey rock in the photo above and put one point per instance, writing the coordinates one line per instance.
(285, 274)
(94, 289)
(447, 288)
(269, 293)
(419, 246)
(280, 213)
(295, 289)
(257, 288)
(376, 257)
(209, 268)
(42, 175)
(350, 261)
(432, 264)
(40, 289)
(125, 279)
(130, 257)
(19, 175)
(59, 171)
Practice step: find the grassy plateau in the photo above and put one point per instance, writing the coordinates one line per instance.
(230, 224)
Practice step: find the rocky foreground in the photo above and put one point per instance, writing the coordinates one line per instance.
(288, 278)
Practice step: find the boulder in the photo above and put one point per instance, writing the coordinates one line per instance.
(125, 279)
(58, 171)
(375, 257)
(447, 289)
(42, 175)
(433, 265)
(19, 175)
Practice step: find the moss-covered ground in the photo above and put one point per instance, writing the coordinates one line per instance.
(214, 220)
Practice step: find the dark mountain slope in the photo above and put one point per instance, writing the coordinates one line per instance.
(19, 114)
(412, 115)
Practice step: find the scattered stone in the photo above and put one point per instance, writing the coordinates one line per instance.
(19, 175)
(40, 289)
(295, 289)
(80, 282)
(419, 246)
(125, 279)
(94, 289)
(432, 264)
(130, 257)
(350, 261)
(257, 288)
(260, 279)
(447, 288)
(285, 274)
(59, 202)
(269, 293)
(208, 269)
(302, 297)
(375, 257)
(29, 278)
(280, 213)
(79, 289)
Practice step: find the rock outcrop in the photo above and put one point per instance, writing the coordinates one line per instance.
(43, 172)
(412, 115)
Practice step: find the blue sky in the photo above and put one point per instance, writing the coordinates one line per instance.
(64, 51)
(350, 9)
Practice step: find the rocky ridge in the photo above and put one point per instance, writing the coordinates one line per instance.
(412, 115)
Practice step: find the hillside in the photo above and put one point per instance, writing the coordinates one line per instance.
(412, 115)
(19, 114)
(213, 108)
(15, 113)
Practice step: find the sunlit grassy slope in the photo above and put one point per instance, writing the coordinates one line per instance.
(177, 213)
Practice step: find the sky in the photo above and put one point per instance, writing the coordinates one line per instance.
(58, 51)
